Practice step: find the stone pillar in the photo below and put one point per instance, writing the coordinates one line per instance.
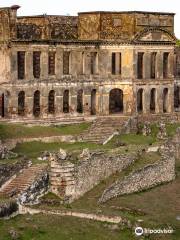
(73, 102)
(29, 102)
(171, 65)
(103, 62)
(147, 65)
(14, 66)
(44, 64)
(59, 63)
(146, 101)
(44, 104)
(29, 66)
(159, 65)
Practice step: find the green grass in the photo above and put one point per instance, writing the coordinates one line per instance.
(13, 131)
(44, 227)
(171, 128)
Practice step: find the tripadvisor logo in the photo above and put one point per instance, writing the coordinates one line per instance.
(139, 231)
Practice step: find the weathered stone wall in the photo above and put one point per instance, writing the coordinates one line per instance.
(37, 189)
(121, 25)
(70, 181)
(145, 178)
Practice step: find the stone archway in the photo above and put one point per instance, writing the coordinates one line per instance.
(140, 100)
(36, 104)
(4, 102)
(177, 97)
(165, 100)
(66, 101)
(51, 102)
(80, 101)
(153, 100)
(93, 102)
(21, 103)
(116, 101)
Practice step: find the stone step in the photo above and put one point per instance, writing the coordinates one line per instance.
(23, 180)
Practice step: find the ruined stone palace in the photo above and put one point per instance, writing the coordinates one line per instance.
(96, 63)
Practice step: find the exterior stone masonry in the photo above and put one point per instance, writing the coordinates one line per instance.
(96, 63)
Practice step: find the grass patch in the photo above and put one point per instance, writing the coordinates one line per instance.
(9, 131)
(171, 128)
(44, 227)
(135, 139)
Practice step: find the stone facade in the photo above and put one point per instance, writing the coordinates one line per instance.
(96, 63)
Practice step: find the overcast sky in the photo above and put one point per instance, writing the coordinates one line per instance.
(72, 7)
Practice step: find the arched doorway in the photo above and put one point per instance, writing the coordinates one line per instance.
(153, 100)
(80, 101)
(21, 103)
(36, 104)
(4, 103)
(66, 101)
(140, 100)
(93, 102)
(51, 102)
(165, 100)
(176, 97)
(116, 101)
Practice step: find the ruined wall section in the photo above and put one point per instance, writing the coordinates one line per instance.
(71, 181)
(144, 178)
(122, 26)
(163, 21)
(46, 27)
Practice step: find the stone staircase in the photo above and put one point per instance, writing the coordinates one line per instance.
(22, 181)
(103, 129)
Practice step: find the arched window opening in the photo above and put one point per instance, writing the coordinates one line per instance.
(21, 103)
(80, 101)
(51, 102)
(36, 105)
(140, 100)
(153, 100)
(116, 101)
(66, 101)
(93, 102)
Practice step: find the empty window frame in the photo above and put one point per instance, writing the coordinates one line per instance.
(140, 65)
(153, 65)
(165, 64)
(21, 64)
(51, 63)
(36, 64)
(66, 62)
(116, 63)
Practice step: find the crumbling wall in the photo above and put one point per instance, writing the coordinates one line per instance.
(38, 188)
(70, 181)
(144, 178)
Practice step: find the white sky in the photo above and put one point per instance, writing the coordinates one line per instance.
(72, 7)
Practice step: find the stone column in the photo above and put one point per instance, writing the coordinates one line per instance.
(159, 65)
(44, 64)
(59, 63)
(171, 65)
(29, 66)
(14, 66)
(103, 62)
(147, 65)
(146, 101)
